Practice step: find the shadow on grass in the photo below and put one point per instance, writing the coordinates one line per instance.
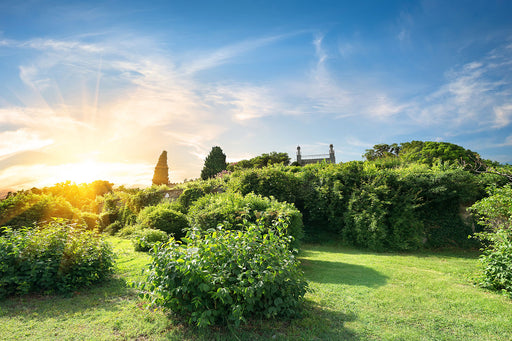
(342, 273)
(316, 323)
(336, 247)
(105, 296)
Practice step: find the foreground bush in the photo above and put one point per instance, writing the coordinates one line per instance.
(231, 209)
(495, 213)
(53, 258)
(226, 277)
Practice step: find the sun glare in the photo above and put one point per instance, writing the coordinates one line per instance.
(81, 172)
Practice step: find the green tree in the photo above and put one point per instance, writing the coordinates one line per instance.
(215, 162)
(428, 152)
(261, 161)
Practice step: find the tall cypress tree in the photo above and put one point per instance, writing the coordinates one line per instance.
(215, 162)
(161, 175)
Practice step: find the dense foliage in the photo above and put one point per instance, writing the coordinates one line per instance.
(422, 152)
(379, 205)
(164, 218)
(263, 160)
(146, 239)
(195, 190)
(495, 213)
(56, 257)
(27, 209)
(215, 163)
(227, 277)
(232, 209)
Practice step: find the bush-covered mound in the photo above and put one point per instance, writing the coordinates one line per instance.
(54, 258)
(227, 276)
(231, 209)
(163, 217)
(495, 213)
(146, 239)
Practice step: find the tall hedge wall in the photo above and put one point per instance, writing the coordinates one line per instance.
(369, 204)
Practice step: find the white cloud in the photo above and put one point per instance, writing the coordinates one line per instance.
(503, 115)
(12, 142)
(208, 60)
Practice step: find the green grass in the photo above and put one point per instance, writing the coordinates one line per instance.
(356, 295)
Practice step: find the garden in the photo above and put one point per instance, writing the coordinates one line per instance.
(388, 248)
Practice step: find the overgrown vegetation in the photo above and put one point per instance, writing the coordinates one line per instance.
(57, 257)
(223, 276)
(495, 213)
(408, 197)
(231, 210)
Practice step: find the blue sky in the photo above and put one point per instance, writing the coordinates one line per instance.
(96, 90)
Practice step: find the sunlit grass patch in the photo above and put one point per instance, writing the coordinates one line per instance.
(357, 295)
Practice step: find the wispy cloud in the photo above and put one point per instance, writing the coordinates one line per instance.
(211, 59)
(12, 142)
(476, 94)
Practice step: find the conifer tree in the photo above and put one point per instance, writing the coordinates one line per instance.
(161, 175)
(215, 163)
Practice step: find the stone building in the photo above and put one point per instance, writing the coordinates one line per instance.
(308, 159)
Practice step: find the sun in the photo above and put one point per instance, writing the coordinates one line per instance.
(81, 172)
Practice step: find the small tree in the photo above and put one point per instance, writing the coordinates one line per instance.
(161, 175)
(215, 162)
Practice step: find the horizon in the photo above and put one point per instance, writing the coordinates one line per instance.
(98, 90)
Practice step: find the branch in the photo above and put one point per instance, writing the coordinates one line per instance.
(479, 166)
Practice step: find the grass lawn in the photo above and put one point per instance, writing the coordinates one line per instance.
(356, 295)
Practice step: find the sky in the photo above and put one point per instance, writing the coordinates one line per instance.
(98, 89)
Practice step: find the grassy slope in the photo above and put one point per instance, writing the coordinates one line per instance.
(357, 296)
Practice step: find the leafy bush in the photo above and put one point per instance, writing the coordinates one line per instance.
(163, 217)
(381, 216)
(146, 239)
(380, 205)
(113, 228)
(90, 220)
(495, 213)
(274, 182)
(27, 209)
(225, 276)
(231, 209)
(56, 257)
(195, 190)
(146, 197)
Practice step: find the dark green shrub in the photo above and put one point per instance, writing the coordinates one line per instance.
(227, 277)
(195, 190)
(495, 213)
(146, 239)
(146, 197)
(56, 257)
(126, 216)
(113, 228)
(231, 209)
(274, 182)
(381, 216)
(128, 231)
(90, 220)
(163, 217)
(443, 195)
(106, 219)
(383, 204)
